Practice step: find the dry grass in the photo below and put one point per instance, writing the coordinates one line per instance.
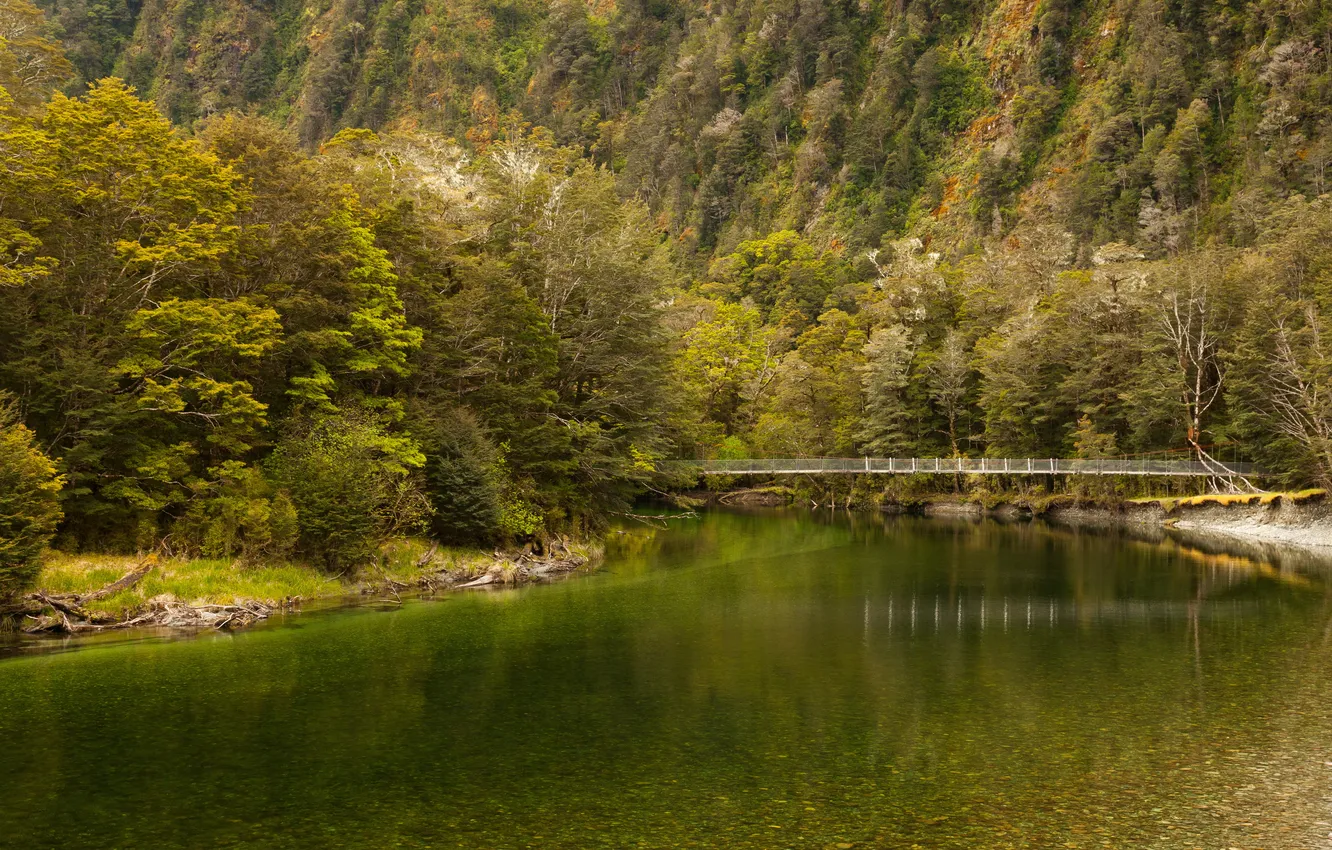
(1222, 499)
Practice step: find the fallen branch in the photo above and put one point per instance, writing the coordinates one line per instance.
(65, 608)
(24, 607)
(430, 553)
(655, 520)
(488, 578)
(125, 582)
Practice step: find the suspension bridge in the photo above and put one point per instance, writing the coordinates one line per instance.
(978, 466)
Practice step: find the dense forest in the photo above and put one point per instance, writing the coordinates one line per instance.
(289, 276)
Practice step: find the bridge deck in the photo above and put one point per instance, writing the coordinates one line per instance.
(974, 466)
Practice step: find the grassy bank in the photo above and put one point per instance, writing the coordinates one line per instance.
(194, 581)
(200, 582)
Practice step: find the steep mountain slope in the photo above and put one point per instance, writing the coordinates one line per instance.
(1147, 121)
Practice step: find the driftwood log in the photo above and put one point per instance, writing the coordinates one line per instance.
(507, 570)
(430, 553)
(164, 612)
(68, 615)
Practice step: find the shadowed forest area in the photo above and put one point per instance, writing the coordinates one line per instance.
(284, 280)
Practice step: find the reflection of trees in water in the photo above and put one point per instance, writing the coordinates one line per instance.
(1227, 560)
(725, 671)
(935, 614)
(1285, 558)
(955, 650)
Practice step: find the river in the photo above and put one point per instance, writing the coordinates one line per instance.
(740, 680)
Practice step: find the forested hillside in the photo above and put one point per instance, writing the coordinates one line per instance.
(848, 120)
(494, 261)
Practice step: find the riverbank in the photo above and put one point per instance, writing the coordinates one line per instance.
(81, 594)
(1302, 519)
(1299, 519)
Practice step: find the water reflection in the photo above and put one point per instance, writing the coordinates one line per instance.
(739, 680)
(1046, 613)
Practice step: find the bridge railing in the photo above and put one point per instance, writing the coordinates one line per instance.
(974, 466)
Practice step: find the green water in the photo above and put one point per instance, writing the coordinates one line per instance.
(740, 681)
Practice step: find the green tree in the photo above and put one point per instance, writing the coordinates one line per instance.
(29, 502)
(1013, 392)
(948, 378)
(815, 405)
(1090, 443)
(186, 396)
(308, 246)
(887, 374)
(123, 214)
(237, 512)
(1280, 389)
(27, 167)
(590, 263)
(719, 365)
(1194, 312)
(32, 61)
(782, 273)
(463, 479)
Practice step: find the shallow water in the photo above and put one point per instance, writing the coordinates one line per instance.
(742, 680)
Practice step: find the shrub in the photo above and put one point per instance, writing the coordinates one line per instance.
(351, 484)
(29, 504)
(520, 518)
(240, 514)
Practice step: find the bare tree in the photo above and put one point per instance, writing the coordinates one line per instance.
(1299, 391)
(1189, 325)
(1195, 317)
